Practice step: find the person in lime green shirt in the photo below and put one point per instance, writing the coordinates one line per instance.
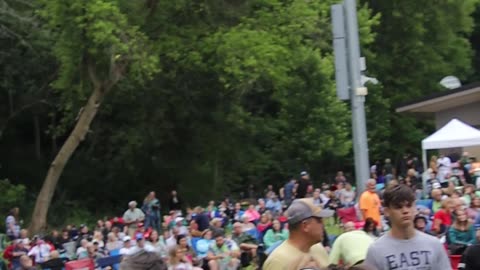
(437, 200)
(350, 248)
(275, 234)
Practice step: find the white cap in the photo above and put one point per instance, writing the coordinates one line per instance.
(179, 219)
(132, 204)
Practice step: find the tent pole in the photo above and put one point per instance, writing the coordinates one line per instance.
(425, 168)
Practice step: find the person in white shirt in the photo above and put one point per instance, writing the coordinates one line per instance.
(82, 249)
(179, 225)
(132, 217)
(127, 246)
(141, 245)
(172, 240)
(444, 168)
(41, 252)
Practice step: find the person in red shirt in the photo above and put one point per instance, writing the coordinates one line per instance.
(141, 229)
(118, 222)
(264, 224)
(8, 255)
(443, 217)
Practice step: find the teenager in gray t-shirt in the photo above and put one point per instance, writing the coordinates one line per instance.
(403, 247)
(422, 252)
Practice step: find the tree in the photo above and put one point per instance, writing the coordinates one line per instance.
(97, 47)
(417, 44)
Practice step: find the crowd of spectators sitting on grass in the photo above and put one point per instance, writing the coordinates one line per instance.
(228, 235)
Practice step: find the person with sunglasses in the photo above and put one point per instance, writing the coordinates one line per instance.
(303, 247)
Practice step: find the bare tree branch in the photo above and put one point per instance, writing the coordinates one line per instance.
(10, 33)
(5, 9)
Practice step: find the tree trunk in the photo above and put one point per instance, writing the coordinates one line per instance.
(39, 216)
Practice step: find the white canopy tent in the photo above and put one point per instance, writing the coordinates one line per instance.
(454, 134)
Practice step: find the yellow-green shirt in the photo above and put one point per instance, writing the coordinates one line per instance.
(350, 247)
(436, 206)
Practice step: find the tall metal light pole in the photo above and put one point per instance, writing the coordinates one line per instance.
(346, 43)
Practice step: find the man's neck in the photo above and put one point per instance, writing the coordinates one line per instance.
(404, 233)
(302, 244)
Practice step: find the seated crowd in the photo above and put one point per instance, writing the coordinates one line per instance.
(229, 235)
(222, 235)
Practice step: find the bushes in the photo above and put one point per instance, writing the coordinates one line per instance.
(11, 196)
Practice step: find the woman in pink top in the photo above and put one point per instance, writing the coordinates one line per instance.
(252, 213)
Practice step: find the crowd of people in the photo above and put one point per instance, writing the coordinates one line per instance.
(406, 218)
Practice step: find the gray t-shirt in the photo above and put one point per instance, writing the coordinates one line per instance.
(130, 216)
(422, 252)
(347, 196)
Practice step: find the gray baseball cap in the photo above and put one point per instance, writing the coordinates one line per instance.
(301, 209)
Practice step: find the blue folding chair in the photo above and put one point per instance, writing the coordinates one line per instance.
(253, 232)
(114, 252)
(109, 261)
(380, 186)
(273, 247)
(424, 203)
(193, 242)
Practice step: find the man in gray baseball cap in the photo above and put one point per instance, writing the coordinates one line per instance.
(303, 248)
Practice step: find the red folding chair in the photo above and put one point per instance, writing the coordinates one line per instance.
(455, 260)
(84, 264)
(349, 214)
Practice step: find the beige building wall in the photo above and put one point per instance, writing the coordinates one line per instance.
(470, 114)
(473, 151)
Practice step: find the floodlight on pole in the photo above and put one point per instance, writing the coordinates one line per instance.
(349, 66)
(451, 82)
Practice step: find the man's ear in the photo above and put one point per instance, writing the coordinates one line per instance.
(304, 226)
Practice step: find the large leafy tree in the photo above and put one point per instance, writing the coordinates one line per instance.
(417, 44)
(246, 95)
(97, 47)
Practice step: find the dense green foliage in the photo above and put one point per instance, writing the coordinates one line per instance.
(233, 92)
(417, 44)
(12, 195)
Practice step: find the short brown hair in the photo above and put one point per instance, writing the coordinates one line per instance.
(396, 195)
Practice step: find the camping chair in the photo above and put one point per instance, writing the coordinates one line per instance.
(427, 203)
(109, 261)
(455, 260)
(70, 249)
(194, 241)
(84, 264)
(114, 252)
(349, 214)
(254, 233)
